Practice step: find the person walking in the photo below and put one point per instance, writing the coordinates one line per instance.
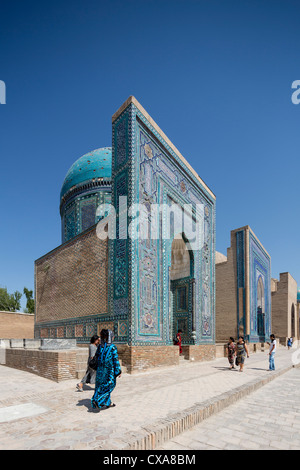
(241, 352)
(272, 350)
(108, 369)
(178, 337)
(289, 343)
(90, 374)
(231, 347)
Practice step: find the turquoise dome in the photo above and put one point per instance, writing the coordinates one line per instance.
(298, 295)
(95, 164)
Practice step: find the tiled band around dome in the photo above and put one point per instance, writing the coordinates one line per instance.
(87, 186)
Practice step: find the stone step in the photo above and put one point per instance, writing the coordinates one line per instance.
(182, 359)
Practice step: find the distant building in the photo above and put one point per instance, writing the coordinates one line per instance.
(285, 307)
(243, 289)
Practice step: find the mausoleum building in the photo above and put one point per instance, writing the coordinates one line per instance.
(138, 250)
(243, 289)
(285, 308)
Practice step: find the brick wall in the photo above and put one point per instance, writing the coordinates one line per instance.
(284, 296)
(226, 300)
(71, 281)
(202, 352)
(53, 365)
(139, 358)
(16, 325)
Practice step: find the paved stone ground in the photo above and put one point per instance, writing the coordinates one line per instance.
(142, 400)
(268, 419)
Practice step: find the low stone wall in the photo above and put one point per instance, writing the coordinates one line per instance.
(54, 359)
(53, 365)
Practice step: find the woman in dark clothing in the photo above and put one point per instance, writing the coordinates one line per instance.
(107, 372)
(90, 374)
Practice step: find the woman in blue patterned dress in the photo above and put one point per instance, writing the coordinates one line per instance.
(107, 372)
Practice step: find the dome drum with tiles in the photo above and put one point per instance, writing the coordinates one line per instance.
(87, 186)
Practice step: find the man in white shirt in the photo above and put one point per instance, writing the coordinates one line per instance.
(272, 350)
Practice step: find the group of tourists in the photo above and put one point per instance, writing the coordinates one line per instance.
(237, 352)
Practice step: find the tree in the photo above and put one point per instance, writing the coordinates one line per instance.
(9, 302)
(30, 301)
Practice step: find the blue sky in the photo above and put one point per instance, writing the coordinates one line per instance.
(215, 75)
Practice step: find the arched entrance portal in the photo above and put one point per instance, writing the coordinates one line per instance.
(261, 309)
(182, 288)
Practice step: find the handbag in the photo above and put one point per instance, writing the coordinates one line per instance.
(93, 363)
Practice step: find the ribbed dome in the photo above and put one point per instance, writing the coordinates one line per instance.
(95, 164)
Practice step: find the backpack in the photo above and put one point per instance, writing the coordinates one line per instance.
(175, 341)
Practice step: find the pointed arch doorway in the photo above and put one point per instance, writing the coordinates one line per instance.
(261, 330)
(293, 323)
(182, 288)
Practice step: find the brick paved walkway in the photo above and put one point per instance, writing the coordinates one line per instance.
(147, 403)
(268, 419)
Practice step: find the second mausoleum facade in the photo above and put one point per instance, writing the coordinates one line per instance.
(243, 289)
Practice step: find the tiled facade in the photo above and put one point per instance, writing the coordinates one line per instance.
(149, 171)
